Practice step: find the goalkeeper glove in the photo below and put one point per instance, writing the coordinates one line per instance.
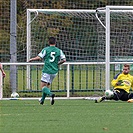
(119, 82)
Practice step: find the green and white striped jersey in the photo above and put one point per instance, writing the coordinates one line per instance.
(51, 56)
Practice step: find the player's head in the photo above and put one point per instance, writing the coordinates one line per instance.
(52, 41)
(126, 68)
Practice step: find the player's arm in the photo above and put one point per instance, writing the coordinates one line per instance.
(61, 61)
(1, 68)
(119, 82)
(35, 58)
(116, 81)
(62, 58)
(132, 83)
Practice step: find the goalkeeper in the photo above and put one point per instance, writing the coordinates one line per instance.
(53, 57)
(122, 83)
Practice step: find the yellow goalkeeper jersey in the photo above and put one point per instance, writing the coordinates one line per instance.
(127, 82)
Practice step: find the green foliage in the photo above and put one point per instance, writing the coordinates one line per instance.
(48, 30)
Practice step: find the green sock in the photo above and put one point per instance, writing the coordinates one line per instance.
(43, 96)
(46, 91)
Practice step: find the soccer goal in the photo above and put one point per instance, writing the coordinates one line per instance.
(78, 36)
(96, 44)
(103, 36)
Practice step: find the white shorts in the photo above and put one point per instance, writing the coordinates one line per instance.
(48, 78)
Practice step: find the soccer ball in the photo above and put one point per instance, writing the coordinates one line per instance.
(109, 93)
(14, 95)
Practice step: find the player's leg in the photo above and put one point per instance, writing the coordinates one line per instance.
(100, 99)
(49, 93)
(120, 94)
(46, 80)
(114, 97)
(52, 76)
(130, 98)
(44, 85)
(44, 94)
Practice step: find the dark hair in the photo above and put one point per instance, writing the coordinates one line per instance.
(52, 40)
(127, 65)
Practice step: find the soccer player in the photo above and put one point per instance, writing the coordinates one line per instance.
(1, 68)
(122, 83)
(53, 57)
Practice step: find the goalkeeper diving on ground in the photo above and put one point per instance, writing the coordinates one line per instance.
(122, 83)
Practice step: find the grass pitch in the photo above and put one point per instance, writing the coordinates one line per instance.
(65, 116)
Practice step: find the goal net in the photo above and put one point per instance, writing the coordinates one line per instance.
(79, 36)
(96, 44)
(117, 22)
